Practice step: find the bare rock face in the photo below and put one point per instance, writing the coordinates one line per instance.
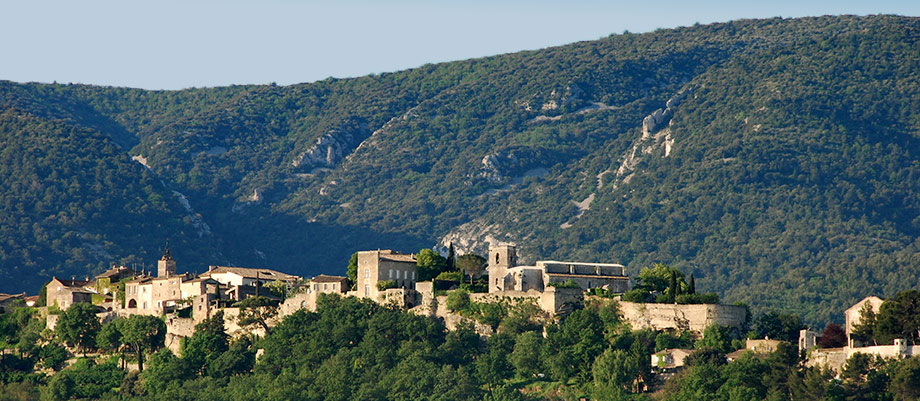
(330, 149)
(659, 118)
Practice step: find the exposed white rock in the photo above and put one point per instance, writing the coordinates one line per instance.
(197, 221)
(475, 237)
(142, 160)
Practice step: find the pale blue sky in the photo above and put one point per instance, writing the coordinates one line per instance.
(166, 44)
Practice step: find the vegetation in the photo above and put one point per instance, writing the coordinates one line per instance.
(352, 348)
(791, 170)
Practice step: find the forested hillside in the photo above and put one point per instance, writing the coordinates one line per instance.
(777, 160)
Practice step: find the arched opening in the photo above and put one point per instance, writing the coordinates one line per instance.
(132, 304)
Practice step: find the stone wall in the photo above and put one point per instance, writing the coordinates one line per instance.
(681, 317)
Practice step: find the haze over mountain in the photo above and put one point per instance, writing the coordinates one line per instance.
(778, 160)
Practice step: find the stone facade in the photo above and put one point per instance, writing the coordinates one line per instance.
(64, 293)
(377, 266)
(506, 275)
(682, 317)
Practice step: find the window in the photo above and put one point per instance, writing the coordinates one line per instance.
(367, 273)
(367, 289)
(413, 276)
(333, 286)
(391, 274)
(325, 286)
(397, 275)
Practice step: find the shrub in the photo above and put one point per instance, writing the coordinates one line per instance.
(385, 284)
(458, 300)
(636, 295)
(704, 298)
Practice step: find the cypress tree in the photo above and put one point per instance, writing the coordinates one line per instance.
(451, 258)
(672, 296)
(692, 285)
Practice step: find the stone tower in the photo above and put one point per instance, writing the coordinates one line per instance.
(501, 258)
(166, 266)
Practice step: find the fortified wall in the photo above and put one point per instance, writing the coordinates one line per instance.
(682, 317)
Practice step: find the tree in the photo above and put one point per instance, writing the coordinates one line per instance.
(209, 341)
(144, 334)
(899, 317)
(78, 326)
(458, 300)
(833, 336)
(864, 329)
(692, 285)
(165, 368)
(716, 337)
(471, 264)
(526, 354)
(109, 337)
(617, 367)
(451, 258)
(352, 270)
(905, 379)
(778, 326)
(430, 264)
(257, 311)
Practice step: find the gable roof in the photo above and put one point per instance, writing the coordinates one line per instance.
(398, 257)
(120, 271)
(261, 274)
(322, 278)
(73, 283)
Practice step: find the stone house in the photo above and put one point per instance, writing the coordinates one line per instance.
(7, 299)
(384, 265)
(835, 358)
(852, 316)
(306, 295)
(64, 293)
(244, 276)
(669, 359)
(106, 283)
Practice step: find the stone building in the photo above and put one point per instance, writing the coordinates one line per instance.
(106, 283)
(161, 294)
(245, 276)
(852, 316)
(835, 358)
(63, 293)
(506, 275)
(385, 265)
(306, 295)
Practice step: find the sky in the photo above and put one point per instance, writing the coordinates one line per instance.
(166, 44)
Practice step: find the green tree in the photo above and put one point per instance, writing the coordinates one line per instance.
(657, 279)
(471, 265)
(257, 311)
(78, 326)
(778, 326)
(864, 329)
(208, 343)
(165, 369)
(617, 367)
(716, 337)
(110, 338)
(451, 261)
(430, 264)
(352, 270)
(458, 300)
(905, 379)
(526, 357)
(144, 334)
(899, 317)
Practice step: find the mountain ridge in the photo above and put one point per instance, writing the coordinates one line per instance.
(788, 166)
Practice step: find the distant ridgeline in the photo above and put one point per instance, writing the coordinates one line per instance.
(778, 161)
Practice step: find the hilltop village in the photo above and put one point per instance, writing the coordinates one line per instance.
(553, 289)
